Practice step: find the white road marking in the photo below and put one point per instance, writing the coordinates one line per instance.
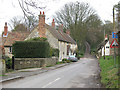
(51, 82)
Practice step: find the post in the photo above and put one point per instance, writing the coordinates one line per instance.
(114, 37)
(104, 44)
(13, 62)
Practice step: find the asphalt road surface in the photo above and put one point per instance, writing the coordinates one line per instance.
(81, 74)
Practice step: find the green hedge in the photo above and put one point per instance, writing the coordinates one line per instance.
(31, 49)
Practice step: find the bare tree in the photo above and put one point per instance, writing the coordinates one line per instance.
(15, 21)
(79, 18)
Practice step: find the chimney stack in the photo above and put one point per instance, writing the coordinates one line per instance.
(106, 38)
(5, 30)
(60, 28)
(68, 32)
(53, 23)
(42, 24)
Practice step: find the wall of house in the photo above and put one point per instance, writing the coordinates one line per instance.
(63, 50)
(21, 63)
(107, 49)
(33, 34)
(7, 52)
(51, 39)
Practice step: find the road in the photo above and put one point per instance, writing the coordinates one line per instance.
(81, 74)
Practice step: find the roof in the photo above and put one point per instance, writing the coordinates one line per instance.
(15, 36)
(101, 45)
(61, 36)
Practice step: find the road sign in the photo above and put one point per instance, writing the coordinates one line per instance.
(114, 44)
(114, 35)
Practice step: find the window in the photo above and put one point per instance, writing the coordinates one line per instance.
(10, 49)
(107, 46)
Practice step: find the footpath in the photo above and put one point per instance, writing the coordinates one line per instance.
(17, 74)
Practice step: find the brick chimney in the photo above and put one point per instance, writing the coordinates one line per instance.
(68, 32)
(53, 23)
(60, 28)
(42, 24)
(5, 30)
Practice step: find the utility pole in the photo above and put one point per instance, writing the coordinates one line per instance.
(114, 31)
(104, 44)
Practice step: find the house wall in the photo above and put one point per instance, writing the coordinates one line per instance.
(51, 39)
(7, 52)
(63, 50)
(33, 34)
(107, 49)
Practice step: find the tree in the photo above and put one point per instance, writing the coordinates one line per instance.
(15, 21)
(31, 22)
(81, 19)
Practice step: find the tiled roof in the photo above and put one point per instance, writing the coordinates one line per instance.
(61, 36)
(14, 36)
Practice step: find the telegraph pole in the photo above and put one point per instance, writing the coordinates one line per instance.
(104, 44)
(114, 31)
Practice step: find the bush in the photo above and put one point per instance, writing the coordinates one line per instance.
(54, 52)
(68, 61)
(31, 49)
(37, 39)
(64, 60)
(8, 62)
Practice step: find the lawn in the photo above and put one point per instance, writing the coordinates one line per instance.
(109, 73)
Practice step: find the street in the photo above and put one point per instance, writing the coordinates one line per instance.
(81, 74)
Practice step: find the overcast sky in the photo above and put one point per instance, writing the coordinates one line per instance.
(10, 8)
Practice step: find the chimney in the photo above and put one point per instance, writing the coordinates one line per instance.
(68, 32)
(106, 38)
(53, 23)
(42, 24)
(60, 28)
(5, 29)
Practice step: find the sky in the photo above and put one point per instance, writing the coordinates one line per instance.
(10, 9)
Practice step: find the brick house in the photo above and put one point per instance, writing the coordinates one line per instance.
(56, 38)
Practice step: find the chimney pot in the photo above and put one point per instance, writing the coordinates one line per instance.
(40, 12)
(43, 13)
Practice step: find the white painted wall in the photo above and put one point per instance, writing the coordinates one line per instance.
(107, 50)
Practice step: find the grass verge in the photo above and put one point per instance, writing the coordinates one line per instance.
(109, 73)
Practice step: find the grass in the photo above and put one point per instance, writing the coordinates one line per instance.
(109, 73)
(3, 75)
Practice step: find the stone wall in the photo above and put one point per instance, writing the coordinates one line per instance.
(22, 63)
(2, 66)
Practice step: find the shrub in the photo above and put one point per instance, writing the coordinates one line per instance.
(54, 52)
(8, 62)
(68, 61)
(31, 49)
(37, 39)
(64, 60)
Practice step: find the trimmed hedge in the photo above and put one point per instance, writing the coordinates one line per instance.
(31, 49)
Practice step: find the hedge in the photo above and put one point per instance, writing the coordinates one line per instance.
(31, 49)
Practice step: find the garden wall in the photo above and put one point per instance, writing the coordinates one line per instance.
(22, 63)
